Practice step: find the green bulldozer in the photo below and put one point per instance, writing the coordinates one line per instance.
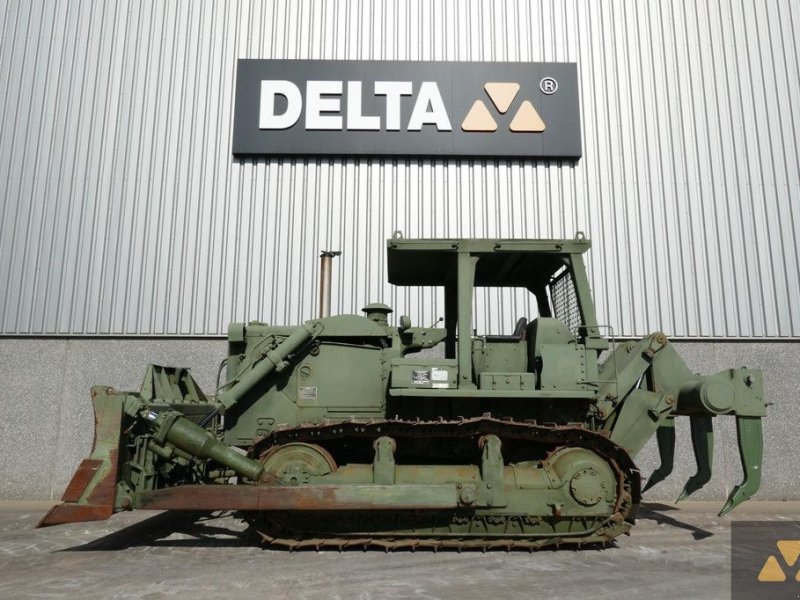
(348, 431)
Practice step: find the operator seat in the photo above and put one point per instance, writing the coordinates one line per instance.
(541, 332)
(520, 330)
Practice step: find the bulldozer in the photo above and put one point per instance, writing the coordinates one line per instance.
(348, 431)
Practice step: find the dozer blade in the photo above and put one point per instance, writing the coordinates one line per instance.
(703, 444)
(665, 436)
(91, 492)
(751, 445)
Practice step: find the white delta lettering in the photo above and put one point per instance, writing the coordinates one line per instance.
(323, 102)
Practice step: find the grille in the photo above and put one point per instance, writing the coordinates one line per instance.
(565, 301)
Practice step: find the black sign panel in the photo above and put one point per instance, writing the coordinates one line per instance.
(306, 107)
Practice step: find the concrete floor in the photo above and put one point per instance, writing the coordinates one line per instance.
(673, 552)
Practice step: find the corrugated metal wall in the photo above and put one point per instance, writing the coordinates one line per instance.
(123, 211)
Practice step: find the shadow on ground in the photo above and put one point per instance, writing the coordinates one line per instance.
(656, 512)
(174, 529)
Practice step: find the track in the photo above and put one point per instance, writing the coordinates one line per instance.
(460, 529)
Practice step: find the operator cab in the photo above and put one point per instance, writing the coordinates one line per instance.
(554, 352)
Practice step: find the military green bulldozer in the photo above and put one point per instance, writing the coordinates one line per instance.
(349, 431)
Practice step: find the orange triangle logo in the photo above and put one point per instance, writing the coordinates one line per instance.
(527, 119)
(771, 571)
(479, 119)
(790, 550)
(502, 94)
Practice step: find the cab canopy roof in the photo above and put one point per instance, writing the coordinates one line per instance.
(502, 262)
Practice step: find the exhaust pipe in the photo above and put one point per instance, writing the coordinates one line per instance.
(325, 267)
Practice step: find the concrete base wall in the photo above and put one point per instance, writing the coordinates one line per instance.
(46, 420)
(46, 416)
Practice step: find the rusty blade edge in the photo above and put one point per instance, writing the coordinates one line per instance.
(311, 498)
(75, 513)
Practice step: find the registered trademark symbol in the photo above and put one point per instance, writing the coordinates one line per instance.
(548, 85)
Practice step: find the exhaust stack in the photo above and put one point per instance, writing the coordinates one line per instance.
(325, 267)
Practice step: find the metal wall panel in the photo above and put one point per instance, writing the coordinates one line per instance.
(122, 210)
